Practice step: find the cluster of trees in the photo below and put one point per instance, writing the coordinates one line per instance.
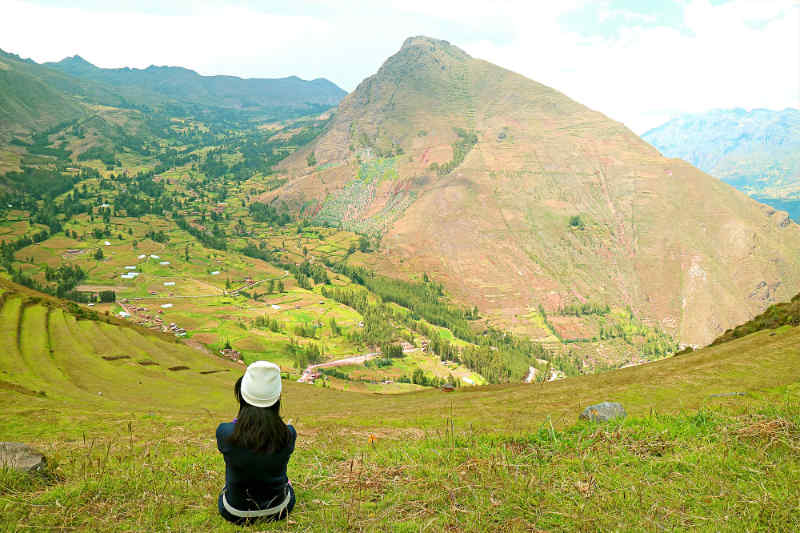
(65, 276)
(498, 356)
(378, 317)
(275, 216)
(312, 271)
(425, 299)
(9, 248)
(336, 330)
(419, 377)
(106, 155)
(461, 147)
(305, 330)
(213, 239)
(391, 351)
(41, 183)
(583, 309)
(304, 355)
(576, 221)
(63, 280)
(266, 322)
(156, 236)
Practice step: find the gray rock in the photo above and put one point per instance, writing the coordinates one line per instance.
(21, 457)
(603, 412)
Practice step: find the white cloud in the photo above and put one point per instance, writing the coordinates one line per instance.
(742, 53)
(211, 39)
(648, 74)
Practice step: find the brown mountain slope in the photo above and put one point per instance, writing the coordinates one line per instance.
(555, 204)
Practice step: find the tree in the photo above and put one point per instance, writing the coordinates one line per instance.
(108, 296)
(280, 287)
(98, 254)
(186, 253)
(418, 377)
(576, 221)
(311, 159)
(363, 244)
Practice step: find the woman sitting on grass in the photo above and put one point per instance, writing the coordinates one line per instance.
(256, 447)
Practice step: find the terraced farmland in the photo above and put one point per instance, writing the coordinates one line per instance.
(52, 353)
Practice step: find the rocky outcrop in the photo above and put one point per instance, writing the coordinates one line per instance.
(18, 456)
(603, 412)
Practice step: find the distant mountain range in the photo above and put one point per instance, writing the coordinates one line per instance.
(36, 96)
(184, 85)
(756, 151)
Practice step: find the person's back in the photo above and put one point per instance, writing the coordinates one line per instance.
(256, 448)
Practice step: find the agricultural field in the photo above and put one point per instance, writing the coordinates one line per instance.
(173, 225)
(187, 255)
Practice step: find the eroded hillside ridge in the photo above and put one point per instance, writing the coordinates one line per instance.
(553, 205)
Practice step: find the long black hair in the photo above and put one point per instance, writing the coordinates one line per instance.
(260, 429)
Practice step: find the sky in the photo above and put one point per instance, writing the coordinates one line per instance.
(639, 62)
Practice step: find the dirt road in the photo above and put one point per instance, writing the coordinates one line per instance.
(353, 360)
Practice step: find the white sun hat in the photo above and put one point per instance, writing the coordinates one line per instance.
(261, 384)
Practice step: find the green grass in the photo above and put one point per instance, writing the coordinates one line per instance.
(141, 456)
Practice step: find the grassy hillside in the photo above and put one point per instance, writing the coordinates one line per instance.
(141, 456)
(27, 102)
(782, 315)
(59, 353)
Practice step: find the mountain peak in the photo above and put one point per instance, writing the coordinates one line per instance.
(432, 45)
(76, 60)
(73, 65)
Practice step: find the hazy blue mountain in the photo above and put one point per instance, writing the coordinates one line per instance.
(188, 87)
(756, 151)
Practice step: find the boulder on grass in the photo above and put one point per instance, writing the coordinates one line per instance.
(21, 457)
(603, 412)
